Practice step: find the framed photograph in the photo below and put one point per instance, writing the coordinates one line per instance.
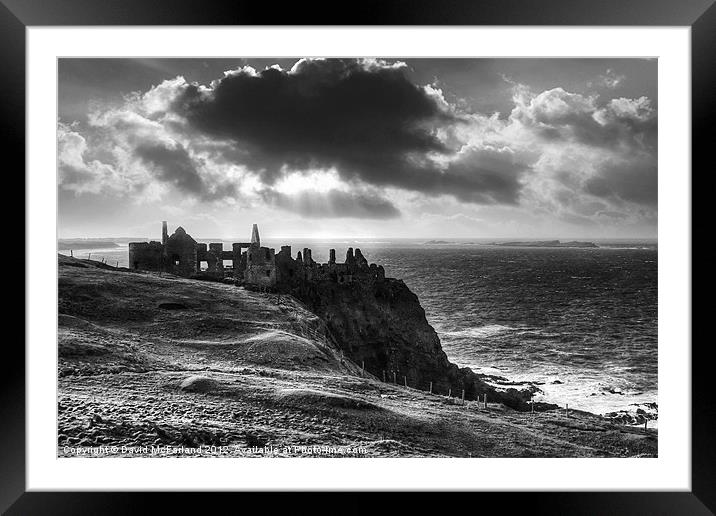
(430, 248)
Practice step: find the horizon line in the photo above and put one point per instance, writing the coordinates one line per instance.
(440, 238)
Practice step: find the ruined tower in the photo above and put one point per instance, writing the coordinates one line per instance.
(260, 262)
(255, 240)
(181, 250)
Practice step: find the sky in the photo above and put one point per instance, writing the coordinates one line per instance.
(362, 148)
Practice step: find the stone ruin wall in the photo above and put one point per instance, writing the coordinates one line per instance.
(258, 266)
(146, 256)
(304, 269)
(181, 253)
(214, 255)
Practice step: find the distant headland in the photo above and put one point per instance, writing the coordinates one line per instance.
(546, 243)
(437, 242)
(518, 243)
(85, 243)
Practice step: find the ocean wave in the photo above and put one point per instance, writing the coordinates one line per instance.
(581, 326)
(477, 332)
(593, 392)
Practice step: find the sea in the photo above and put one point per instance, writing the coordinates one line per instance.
(578, 324)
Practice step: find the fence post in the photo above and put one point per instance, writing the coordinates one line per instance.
(566, 410)
(383, 375)
(431, 387)
(362, 367)
(463, 396)
(405, 380)
(485, 400)
(450, 392)
(71, 255)
(395, 380)
(89, 256)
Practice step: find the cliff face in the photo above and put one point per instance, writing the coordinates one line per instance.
(381, 324)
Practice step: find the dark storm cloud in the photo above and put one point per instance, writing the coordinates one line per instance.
(365, 119)
(484, 176)
(172, 165)
(334, 204)
(634, 182)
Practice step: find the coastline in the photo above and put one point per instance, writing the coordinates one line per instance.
(635, 414)
(624, 412)
(247, 369)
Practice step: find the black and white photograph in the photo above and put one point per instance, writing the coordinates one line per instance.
(366, 257)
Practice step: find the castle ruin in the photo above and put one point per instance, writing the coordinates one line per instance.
(255, 266)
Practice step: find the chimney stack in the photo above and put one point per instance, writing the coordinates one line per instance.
(255, 240)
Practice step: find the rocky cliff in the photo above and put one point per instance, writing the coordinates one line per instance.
(382, 325)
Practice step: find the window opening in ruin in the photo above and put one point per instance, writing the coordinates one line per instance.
(176, 259)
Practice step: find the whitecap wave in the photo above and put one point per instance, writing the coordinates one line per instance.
(477, 332)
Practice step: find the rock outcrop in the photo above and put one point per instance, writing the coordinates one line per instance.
(382, 325)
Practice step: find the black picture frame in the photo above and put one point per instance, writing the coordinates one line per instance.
(700, 15)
